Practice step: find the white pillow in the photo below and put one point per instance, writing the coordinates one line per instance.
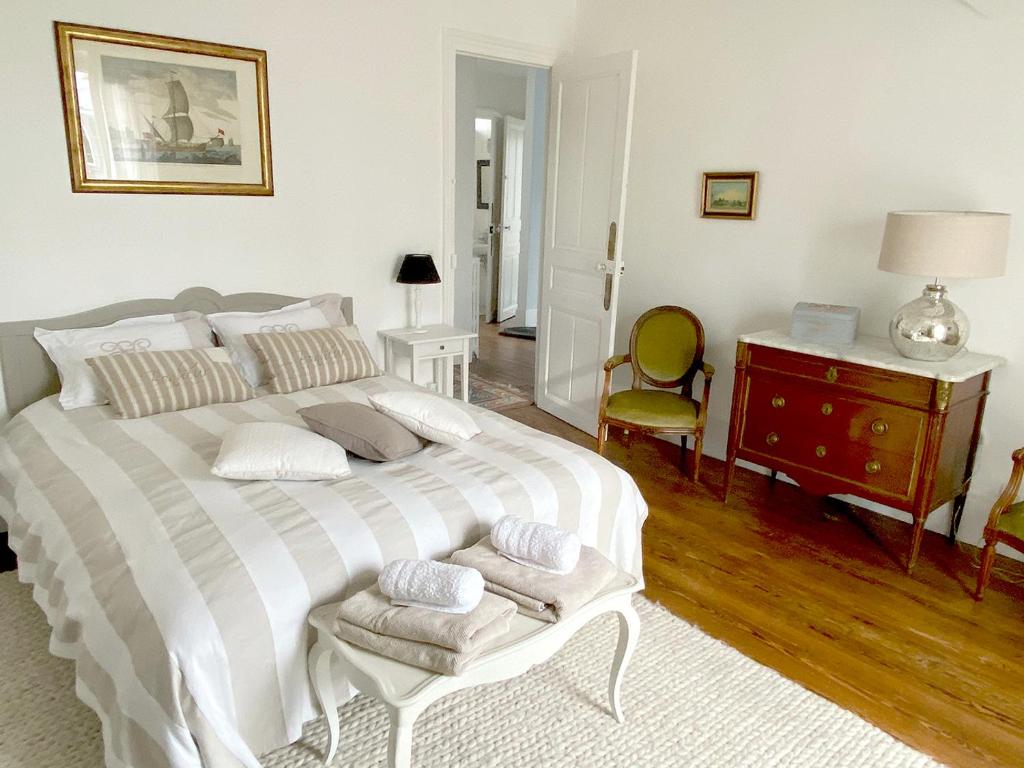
(309, 315)
(69, 349)
(429, 416)
(270, 451)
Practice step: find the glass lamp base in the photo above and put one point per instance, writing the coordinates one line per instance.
(930, 328)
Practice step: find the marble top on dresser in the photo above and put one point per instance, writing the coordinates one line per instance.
(878, 352)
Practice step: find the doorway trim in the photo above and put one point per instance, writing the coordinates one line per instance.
(453, 43)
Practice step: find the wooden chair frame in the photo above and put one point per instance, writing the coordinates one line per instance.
(993, 535)
(684, 382)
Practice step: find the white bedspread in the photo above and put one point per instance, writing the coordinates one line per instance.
(182, 597)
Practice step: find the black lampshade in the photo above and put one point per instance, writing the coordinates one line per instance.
(418, 269)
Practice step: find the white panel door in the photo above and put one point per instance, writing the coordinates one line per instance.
(510, 242)
(588, 157)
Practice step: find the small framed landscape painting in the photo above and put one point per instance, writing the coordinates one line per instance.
(729, 195)
(147, 113)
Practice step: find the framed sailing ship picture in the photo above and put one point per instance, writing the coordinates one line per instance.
(147, 113)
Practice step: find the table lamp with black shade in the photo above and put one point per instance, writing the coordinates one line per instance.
(418, 270)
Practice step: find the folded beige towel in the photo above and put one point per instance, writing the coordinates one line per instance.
(460, 632)
(539, 594)
(424, 655)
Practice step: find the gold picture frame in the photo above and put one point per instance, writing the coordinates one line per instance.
(133, 125)
(729, 195)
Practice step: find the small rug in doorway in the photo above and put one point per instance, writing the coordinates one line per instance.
(690, 702)
(520, 332)
(490, 394)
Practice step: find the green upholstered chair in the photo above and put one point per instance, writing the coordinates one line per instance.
(666, 349)
(1005, 522)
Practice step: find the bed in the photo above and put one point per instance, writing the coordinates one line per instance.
(182, 597)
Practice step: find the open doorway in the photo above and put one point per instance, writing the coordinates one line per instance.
(500, 140)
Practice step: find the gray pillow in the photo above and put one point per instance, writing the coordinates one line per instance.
(361, 430)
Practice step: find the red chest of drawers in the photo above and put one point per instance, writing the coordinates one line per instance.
(899, 438)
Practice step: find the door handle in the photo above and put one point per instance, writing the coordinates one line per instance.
(601, 266)
(612, 230)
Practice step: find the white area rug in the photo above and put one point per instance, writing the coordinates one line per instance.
(689, 701)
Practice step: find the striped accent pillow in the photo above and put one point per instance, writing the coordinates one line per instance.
(144, 383)
(304, 359)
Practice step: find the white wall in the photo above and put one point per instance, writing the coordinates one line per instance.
(355, 113)
(848, 110)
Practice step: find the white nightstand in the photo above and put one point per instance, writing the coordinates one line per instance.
(440, 343)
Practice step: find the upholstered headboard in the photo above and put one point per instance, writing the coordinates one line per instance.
(28, 375)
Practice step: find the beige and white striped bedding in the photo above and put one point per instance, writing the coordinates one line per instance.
(182, 597)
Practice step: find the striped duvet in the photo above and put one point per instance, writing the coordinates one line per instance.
(182, 597)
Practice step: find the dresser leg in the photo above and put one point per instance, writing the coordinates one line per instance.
(915, 543)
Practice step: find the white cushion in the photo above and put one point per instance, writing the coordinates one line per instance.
(270, 451)
(435, 418)
(69, 349)
(309, 315)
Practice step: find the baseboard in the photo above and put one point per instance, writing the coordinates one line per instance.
(531, 317)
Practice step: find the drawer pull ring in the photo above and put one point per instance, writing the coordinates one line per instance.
(826, 408)
(820, 451)
(873, 467)
(832, 375)
(772, 438)
(879, 427)
(778, 401)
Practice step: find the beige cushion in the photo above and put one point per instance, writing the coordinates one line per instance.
(143, 383)
(305, 359)
(359, 429)
(272, 451)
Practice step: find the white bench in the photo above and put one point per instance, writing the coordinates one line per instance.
(408, 690)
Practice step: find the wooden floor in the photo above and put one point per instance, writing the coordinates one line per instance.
(505, 359)
(815, 589)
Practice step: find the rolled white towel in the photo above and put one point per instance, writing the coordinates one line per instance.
(537, 545)
(430, 584)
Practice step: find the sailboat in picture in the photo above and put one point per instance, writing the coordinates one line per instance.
(174, 143)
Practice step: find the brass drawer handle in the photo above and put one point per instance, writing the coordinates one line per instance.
(832, 375)
(879, 427)
(826, 409)
(873, 467)
(820, 451)
(778, 401)
(772, 438)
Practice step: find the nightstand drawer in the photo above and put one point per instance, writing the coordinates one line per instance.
(438, 349)
(827, 374)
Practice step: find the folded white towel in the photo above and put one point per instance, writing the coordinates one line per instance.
(430, 584)
(537, 545)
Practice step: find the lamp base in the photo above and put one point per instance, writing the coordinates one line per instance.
(930, 328)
